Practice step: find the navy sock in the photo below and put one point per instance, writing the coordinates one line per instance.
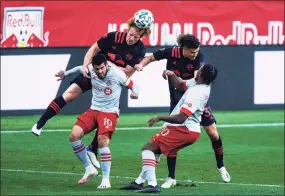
(171, 163)
(219, 152)
(54, 108)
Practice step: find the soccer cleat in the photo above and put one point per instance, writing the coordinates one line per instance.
(93, 158)
(35, 130)
(132, 186)
(90, 171)
(224, 174)
(150, 189)
(105, 184)
(169, 183)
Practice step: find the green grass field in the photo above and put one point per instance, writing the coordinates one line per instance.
(46, 165)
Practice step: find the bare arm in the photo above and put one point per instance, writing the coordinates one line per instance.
(176, 81)
(128, 70)
(146, 60)
(175, 119)
(93, 50)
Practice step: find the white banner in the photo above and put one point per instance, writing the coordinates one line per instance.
(153, 88)
(28, 81)
(269, 77)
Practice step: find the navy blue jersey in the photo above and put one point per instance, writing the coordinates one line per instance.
(181, 66)
(114, 46)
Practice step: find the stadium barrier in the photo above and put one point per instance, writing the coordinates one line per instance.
(250, 77)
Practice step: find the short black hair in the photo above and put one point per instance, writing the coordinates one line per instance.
(188, 41)
(209, 73)
(98, 59)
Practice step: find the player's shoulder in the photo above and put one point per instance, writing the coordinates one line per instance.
(119, 36)
(175, 52)
(116, 36)
(115, 70)
(140, 49)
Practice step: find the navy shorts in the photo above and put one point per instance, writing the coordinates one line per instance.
(82, 82)
(207, 116)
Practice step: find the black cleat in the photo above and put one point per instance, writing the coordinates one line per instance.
(150, 189)
(132, 186)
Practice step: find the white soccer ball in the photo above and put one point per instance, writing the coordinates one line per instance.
(144, 19)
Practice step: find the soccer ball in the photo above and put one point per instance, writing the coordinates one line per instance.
(143, 19)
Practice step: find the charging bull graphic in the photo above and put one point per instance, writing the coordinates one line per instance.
(23, 27)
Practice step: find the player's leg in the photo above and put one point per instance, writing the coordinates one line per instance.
(106, 127)
(83, 125)
(92, 151)
(209, 124)
(79, 85)
(150, 157)
(175, 96)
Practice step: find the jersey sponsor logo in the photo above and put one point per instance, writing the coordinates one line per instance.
(129, 56)
(116, 58)
(98, 88)
(190, 67)
(189, 105)
(108, 91)
(187, 75)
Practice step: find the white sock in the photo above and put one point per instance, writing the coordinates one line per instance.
(106, 159)
(80, 151)
(149, 164)
(141, 178)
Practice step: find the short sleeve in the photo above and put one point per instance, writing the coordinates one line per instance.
(188, 83)
(163, 53)
(106, 41)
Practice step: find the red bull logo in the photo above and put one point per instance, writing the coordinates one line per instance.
(23, 27)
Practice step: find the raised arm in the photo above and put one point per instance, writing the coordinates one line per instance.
(88, 58)
(61, 74)
(177, 82)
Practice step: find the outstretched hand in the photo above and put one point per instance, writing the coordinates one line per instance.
(60, 75)
(167, 73)
(153, 120)
(85, 72)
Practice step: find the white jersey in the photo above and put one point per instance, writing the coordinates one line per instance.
(106, 92)
(192, 102)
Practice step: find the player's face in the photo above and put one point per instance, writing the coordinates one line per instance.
(133, 36)
(199, 73)
(100, 70)
(190, 53)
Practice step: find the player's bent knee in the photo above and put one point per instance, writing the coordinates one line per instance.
(103, 141)
(76, 134)
(72, 93)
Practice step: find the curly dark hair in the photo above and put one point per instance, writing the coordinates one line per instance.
(188, 41)
(98, 59)
(209, 73)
